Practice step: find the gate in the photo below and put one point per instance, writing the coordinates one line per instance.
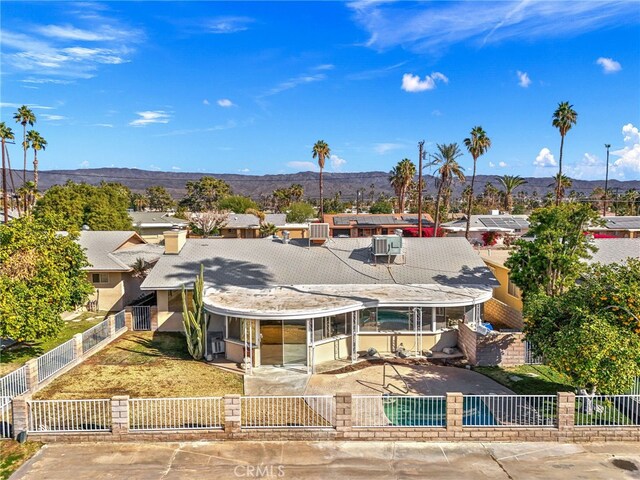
(141, 317)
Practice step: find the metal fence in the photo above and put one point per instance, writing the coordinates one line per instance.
(304, 411)
(635, 389)
(14, 383)
(6, 419)
(120, 320)
(530, 357)
(399, 411)
(509, 411)
(95, 335)
(141, 317)
(56, 359)
(69, 416)
(204, 413)
(607, 410)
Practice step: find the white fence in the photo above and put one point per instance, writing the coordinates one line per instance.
(69, 416)
(95, 335)
(119, 318)
(6, 422)
(399, 411)
(56, 359)
(204, 413)
(607, 410)
(509, 410)
(530, 358)
(14, 384)
(302, 411)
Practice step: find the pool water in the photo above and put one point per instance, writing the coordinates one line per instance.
(432, 412)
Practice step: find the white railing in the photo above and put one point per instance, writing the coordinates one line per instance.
(635, 389)
(607, 410)
(69, 416)
(399, 411)
(6, 420)
(204, 413)
(119, 318)
(14, 383)
(509, 411)
(56, 359)
(530, 358)
(95, 335)
(303, 411)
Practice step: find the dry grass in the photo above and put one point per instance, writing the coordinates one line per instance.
(14, 454)
(143, 365)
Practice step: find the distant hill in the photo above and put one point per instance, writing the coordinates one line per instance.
(257, 185)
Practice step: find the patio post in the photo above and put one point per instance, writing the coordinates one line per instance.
(20, 414)
(120, 415)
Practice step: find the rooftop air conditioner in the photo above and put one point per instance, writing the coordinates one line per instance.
(387, 245)
(318, 231)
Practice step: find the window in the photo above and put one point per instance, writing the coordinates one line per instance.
(386, 319)
(328, 327)
(513, 290)
(236, 329)
(100, 278)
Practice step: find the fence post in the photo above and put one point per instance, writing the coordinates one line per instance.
(120, 415)
(31, 373)
(232, 420)
(566, 411)
(344, 418)
(112, 325)
(455, 411)
(77, 346)
(128, 318)
(20, 414)
(153, 312)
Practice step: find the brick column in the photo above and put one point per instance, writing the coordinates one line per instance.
(112, 325)
(20, 414)
(455, 411)
(232, 413)
(344, 418)
(120, 415)
(128, 318)
(154, 318)
(566, 411)
(31, 367)
(77, 339)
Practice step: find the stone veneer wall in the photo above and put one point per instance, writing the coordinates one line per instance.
(501, 314)
(495, 348)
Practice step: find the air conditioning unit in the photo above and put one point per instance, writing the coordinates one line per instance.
(318, 231)
(387, 245)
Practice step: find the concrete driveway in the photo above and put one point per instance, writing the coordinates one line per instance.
(328, 460)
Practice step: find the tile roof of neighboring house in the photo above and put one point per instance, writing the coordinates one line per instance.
(341, 261)
(620, 223)
(156, 219)
(104, 254)
(489, 223)
(369, 219)
(615, 250)
(246, 220)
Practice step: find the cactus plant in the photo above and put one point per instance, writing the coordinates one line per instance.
(194, 319)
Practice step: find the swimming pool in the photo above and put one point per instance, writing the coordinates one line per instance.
(432, 412)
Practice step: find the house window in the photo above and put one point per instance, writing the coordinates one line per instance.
(513, 290)
(386, 319)
(328, 327)
(98, 278)
(236, 328)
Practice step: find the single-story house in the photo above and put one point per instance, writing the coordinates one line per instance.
(246, 225)
(621, 227)
(112, 256)
(296, 304)
(512, 225)
(369, 224)
(151, 225)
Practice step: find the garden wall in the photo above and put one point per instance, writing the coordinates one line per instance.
(503, 315)
(495, 348)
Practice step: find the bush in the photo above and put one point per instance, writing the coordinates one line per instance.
(381, 206)
(300, 212)
(491, 238)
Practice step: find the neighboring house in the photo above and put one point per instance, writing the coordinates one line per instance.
(245, 225)
(367, 224)
(512, 225)
(12, 214)
(295, 305)
(507, 293)
(112, 256)
(615, 250)
(621, 227)
(151, 225)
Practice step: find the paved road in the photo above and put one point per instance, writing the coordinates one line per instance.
(329, 460)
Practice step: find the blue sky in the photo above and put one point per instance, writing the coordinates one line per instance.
(249, 87)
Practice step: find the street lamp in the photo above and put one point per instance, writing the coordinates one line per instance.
(606, 182)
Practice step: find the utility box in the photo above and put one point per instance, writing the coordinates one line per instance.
(388, 245)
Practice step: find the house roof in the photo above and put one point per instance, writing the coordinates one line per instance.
(495, 256)
(376, 220)
(482, 223)
(620, 223)
(615, 250)
(12, 214)
(105, 250)
(247, 220)
(156, 219)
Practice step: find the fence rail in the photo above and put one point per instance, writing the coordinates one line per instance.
(120, 320)
(14, 383)
(399, 411)
(607, 410)
(304, 411)
(56, 359)
(509, 411)
(141, 317)
(204, 413)
(6, 418)
(530, 357)
(95, 335)
(69, 416)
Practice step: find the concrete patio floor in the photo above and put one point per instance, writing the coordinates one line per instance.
(329, 460)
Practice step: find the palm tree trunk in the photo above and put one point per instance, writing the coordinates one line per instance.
(35, 169)
(509, 200)
(24, 168)
(5, 195)
(559, 171)
(321, 199)
(438, 199)
(470, 201)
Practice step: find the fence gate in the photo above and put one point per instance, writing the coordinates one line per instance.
(6, 422)
(141, 317)
(530, 358)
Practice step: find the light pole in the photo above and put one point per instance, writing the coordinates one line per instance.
(606, 182)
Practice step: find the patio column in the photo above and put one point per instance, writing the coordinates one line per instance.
(433, 319)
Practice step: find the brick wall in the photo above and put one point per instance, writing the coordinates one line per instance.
(503, 315)
(467, 342)
(496, 348)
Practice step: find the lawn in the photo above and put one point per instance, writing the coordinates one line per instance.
(533, 379)
(143, 365)
(16, 356)
(14, 454)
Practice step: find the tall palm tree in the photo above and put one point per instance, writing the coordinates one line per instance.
(477, 145)
(563, 119)
(400, 178)
(448, 168)
(510, 183)
(23, 116)
(37, 142)
(297, 191)
(561, 182)
(5, 134)
(321, 151)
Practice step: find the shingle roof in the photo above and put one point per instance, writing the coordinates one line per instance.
(155, 219)
(368, 219)
(490, 222)
(246, 220)
(341, 261)
(615, 250)
(98, 247)
(620, 223)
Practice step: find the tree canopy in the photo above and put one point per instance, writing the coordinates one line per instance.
(381, 206)
(300, 212)
(41, 277)
(237, 204)
(159, 199)
(203, 195)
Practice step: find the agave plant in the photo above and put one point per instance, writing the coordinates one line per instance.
(268, 229)
(194, 319)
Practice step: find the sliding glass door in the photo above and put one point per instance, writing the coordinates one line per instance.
(283, 342)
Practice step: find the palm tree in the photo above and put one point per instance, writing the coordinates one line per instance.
(297, 191)
(477, 144)
(5, 134)
(510, 183)
(37, 143)
(400, 178)
(321, 151)
(448, 168)
(23, 116)
(563, 119)
(561, 182)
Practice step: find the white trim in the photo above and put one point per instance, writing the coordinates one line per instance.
(331, 339)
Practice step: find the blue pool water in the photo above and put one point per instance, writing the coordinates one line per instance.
(432, 412)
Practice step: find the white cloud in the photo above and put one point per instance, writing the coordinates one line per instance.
(149, 117)
(175, 169)
(69, 32)
(244, 170)
(303, 166)
(523, 79)
(226, 24)
(545, 159)
(293, 83)
(629, 161)
(383, 148)
(436, 113)
(84, 164)
(491, 164)
(225, 103)
(105, 125)
(188, 131)
(609, 65)
(589, 167)
(336, 162)
(30, 105)
(325, 66)
(51, 118)
(40, 81)
(412, 83)
(205, 102)
(502, 164)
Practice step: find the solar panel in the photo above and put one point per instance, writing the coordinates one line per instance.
(341, 220)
